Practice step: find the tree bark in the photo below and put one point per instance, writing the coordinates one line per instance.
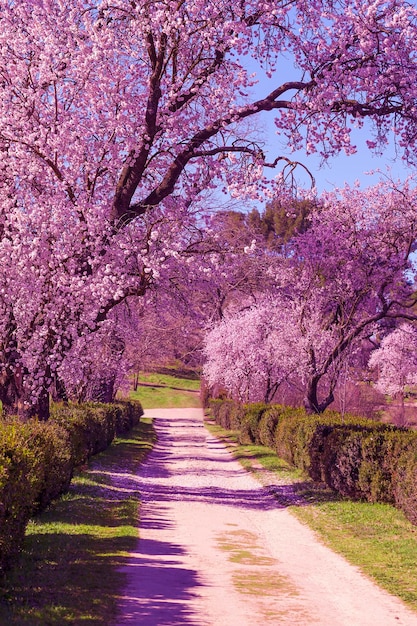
(16, 398)
(27, 409)
(104, 390)
(23, 406)
(8, 393)
(135, 381)
(58, 391)
(400, 417)
(311, 402)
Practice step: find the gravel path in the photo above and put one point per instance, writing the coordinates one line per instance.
(216, 548)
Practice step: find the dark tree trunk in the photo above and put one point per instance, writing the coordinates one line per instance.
(23, 406)
(8, 393)
(399, 418)
(104, 390)
(40, 409)
(271, 389)
(311, 402)
(16, 398)
(135, 381)
(267, 395)
(58, 391)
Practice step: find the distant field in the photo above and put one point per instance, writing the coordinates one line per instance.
(161, 390)
(170, 380)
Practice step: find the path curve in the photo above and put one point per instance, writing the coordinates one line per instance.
(216, 548)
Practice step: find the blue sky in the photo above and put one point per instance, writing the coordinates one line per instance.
(340, 169)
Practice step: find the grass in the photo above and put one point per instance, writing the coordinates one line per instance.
(68, 572)
(170, 380)
(375, 537)
(166, 391)
(248, 455)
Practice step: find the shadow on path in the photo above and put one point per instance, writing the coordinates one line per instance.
(162, 593)
(193, 467)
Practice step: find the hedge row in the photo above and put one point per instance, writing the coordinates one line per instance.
(37, 460)
(358, 458)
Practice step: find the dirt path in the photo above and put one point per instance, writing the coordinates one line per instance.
(217, 549)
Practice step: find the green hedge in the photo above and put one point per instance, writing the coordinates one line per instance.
(37, 460)
(356, 457)
(227, 413)
(405, 487)
(92, 426)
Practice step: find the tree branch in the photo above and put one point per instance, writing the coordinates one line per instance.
(191, 150)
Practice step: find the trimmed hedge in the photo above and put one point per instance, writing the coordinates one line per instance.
(37, 460)
(92, 426)
(227, 413)
(249, 422)
(356, 457)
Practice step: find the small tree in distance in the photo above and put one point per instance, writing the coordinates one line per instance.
(395, 362)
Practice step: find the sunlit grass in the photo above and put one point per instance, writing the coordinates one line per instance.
(163, 398)
(170, 381)
(69, 569)
(375, 537)
(166, 391)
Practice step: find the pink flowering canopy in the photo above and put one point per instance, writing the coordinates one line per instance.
(395, 366)
(252, 352)
(351, 270)
(117, 118)
(396, 360)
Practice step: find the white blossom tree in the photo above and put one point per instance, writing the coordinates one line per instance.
(395, 362)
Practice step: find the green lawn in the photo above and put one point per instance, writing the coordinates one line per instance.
(158, 391)
(170, 380)
(68, 571)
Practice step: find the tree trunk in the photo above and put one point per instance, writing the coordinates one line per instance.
(58, 391)
(135, 381)
(311, 402)
(104, 390)
(40, 409)
(20, 404)
(8, 393)
(16, 398)
(400, 417)
(271, 389)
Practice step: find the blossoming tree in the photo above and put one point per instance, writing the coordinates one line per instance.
(117, 117)
(252, 352)
(351, 270)
(396, 364)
